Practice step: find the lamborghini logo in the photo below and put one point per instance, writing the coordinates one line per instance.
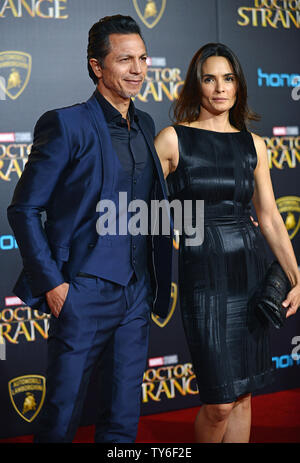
(289, 208)
(163, 322)
(150, 11)
(27, 394)
(174, 290)
(15, 70)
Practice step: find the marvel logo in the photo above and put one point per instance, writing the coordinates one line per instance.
(160, 361)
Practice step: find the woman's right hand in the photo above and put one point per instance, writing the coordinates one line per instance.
(292, 301)
(254, 221)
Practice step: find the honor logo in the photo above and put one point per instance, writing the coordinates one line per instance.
(277, 80)
(7, 242)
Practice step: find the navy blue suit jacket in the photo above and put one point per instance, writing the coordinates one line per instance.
(69, 169)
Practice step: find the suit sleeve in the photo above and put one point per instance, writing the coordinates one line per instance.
(47, 161)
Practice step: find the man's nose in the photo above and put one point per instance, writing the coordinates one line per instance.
(136, 66)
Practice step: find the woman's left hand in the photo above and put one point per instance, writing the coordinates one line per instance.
(292, 301)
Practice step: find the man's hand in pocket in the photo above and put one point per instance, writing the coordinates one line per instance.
(56, 298)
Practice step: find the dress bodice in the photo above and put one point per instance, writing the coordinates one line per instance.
(216, 167)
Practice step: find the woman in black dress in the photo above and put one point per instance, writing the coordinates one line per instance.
(210, 155)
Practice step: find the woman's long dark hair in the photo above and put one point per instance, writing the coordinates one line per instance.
(187, 107)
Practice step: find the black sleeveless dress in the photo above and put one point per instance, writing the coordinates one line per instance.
(228, 340)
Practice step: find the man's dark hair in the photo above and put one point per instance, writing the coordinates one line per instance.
(99, 44)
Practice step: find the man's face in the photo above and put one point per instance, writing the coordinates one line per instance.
(124, 68)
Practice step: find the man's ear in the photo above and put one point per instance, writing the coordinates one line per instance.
(95, 65)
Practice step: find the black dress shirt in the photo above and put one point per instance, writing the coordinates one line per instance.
(129, 144)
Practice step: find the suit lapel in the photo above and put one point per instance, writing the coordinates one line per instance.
(107, 157)
(149, 139)
(99, 122)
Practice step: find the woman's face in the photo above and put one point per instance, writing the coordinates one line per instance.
(218, 85)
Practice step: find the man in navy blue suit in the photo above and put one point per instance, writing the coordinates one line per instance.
(100, 289)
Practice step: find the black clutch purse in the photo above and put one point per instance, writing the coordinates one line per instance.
(273, 292)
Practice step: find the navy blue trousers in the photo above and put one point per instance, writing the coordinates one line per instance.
(99, 321)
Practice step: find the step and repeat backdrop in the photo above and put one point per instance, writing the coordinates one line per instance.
(43, 66)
